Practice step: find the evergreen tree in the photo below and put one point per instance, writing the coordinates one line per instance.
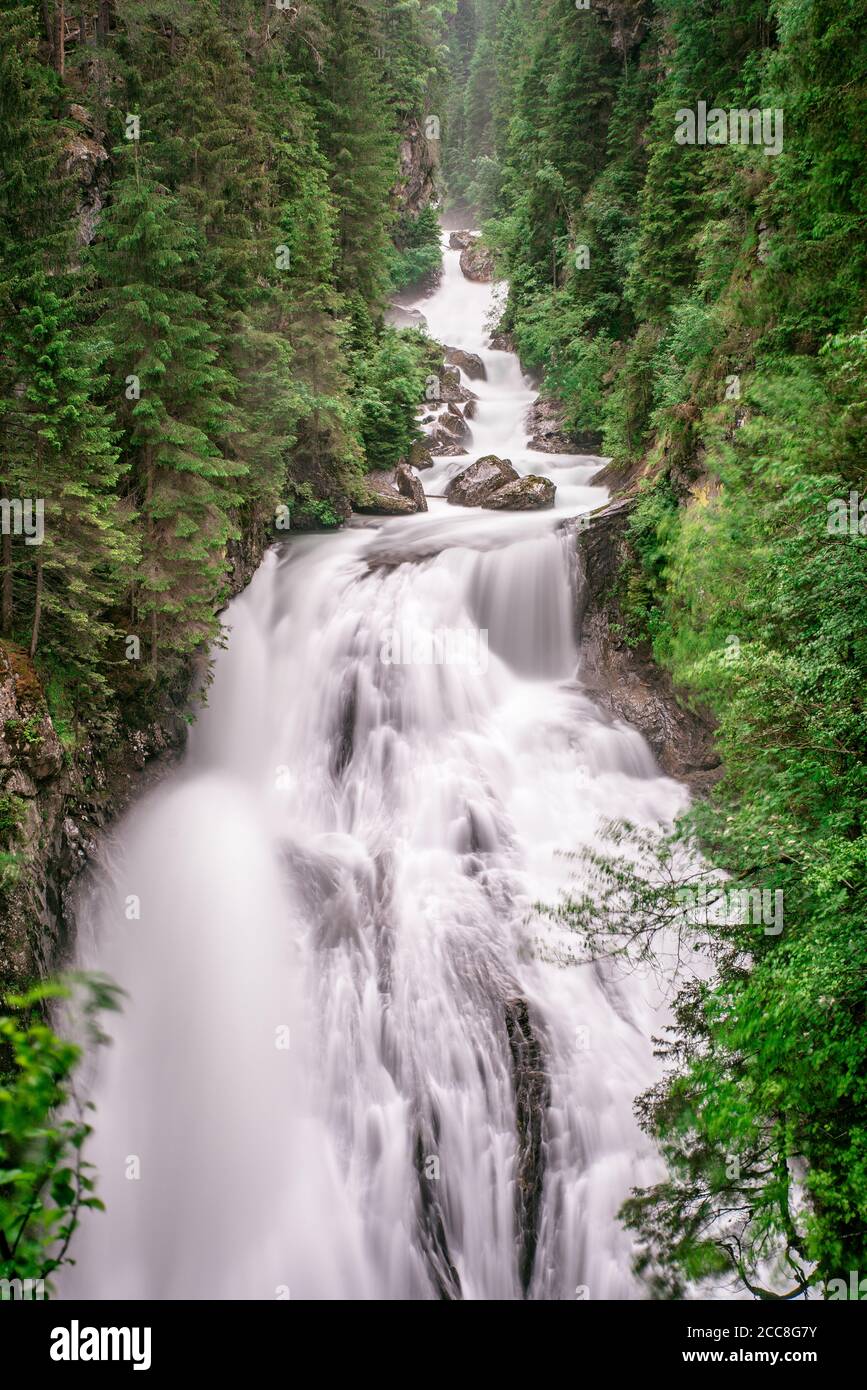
(311, 313)
(61, 444)
(59, 456)
(30, 241)
(357, 135)
(177, 405)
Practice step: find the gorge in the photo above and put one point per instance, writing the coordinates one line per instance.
(351, 851)
(383, 711)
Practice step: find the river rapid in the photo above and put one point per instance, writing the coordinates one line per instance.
(350, 1065)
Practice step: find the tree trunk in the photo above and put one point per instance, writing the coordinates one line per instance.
(104, 19)
(149, 492)
(6, 601)
(37, 612)
(48, 19)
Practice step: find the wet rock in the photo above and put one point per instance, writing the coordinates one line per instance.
(451, 387)
(532, 1094)
(31, 764)
(628, 23)
(469, 362)
(443, 443)
(450, 384)
(546, 426)
(399, 317)
(527, 494)
(461, 241)
(587, 441)
(443, 447)
(477, 263)
(624, 680)
(503, 342)
(28, 740)
(476, 483)
(62, 798)
(81, 115)
(545, 421)
(420, 455)
(447, 432)
(431, 1224)
(470, 410)
(380, 497)
(86, 162)
(19, 784)
(451, 428)
(409, 485)
(418, 158)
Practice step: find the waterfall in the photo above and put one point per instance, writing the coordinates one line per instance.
(347, 1068)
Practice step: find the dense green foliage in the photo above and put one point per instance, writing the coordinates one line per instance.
(212, 354)
(195, 250)
(417, 254)
(45, 1181)
(201, 217)
(703, 305)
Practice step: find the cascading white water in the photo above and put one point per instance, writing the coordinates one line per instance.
(348, 861)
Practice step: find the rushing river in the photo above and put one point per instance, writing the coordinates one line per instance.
(348, 1066)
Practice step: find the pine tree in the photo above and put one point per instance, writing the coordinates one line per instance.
(357, 135)
(212, 149)
(311, 313)
(29, 154)
(61, 442)
(59, 456)
(177, 405)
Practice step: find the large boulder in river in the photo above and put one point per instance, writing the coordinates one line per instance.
(502, 342)
(546, 423)
(469, 362)
(450, 387)
(476, 483)
(477, 263)
(449, 384)
(459, 241)
(445, 447)
(420, 455)
(450, 429)
(446, 435)
(409, 485)
(526, 494)
(380, 497)
(399, 317)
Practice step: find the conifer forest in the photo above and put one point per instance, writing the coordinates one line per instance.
(433, 655)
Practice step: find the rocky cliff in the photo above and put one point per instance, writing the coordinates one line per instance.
(624, 679)
(59, 788)
(418, 164)
(55, 796)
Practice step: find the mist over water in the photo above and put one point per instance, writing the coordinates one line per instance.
(351, 851)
